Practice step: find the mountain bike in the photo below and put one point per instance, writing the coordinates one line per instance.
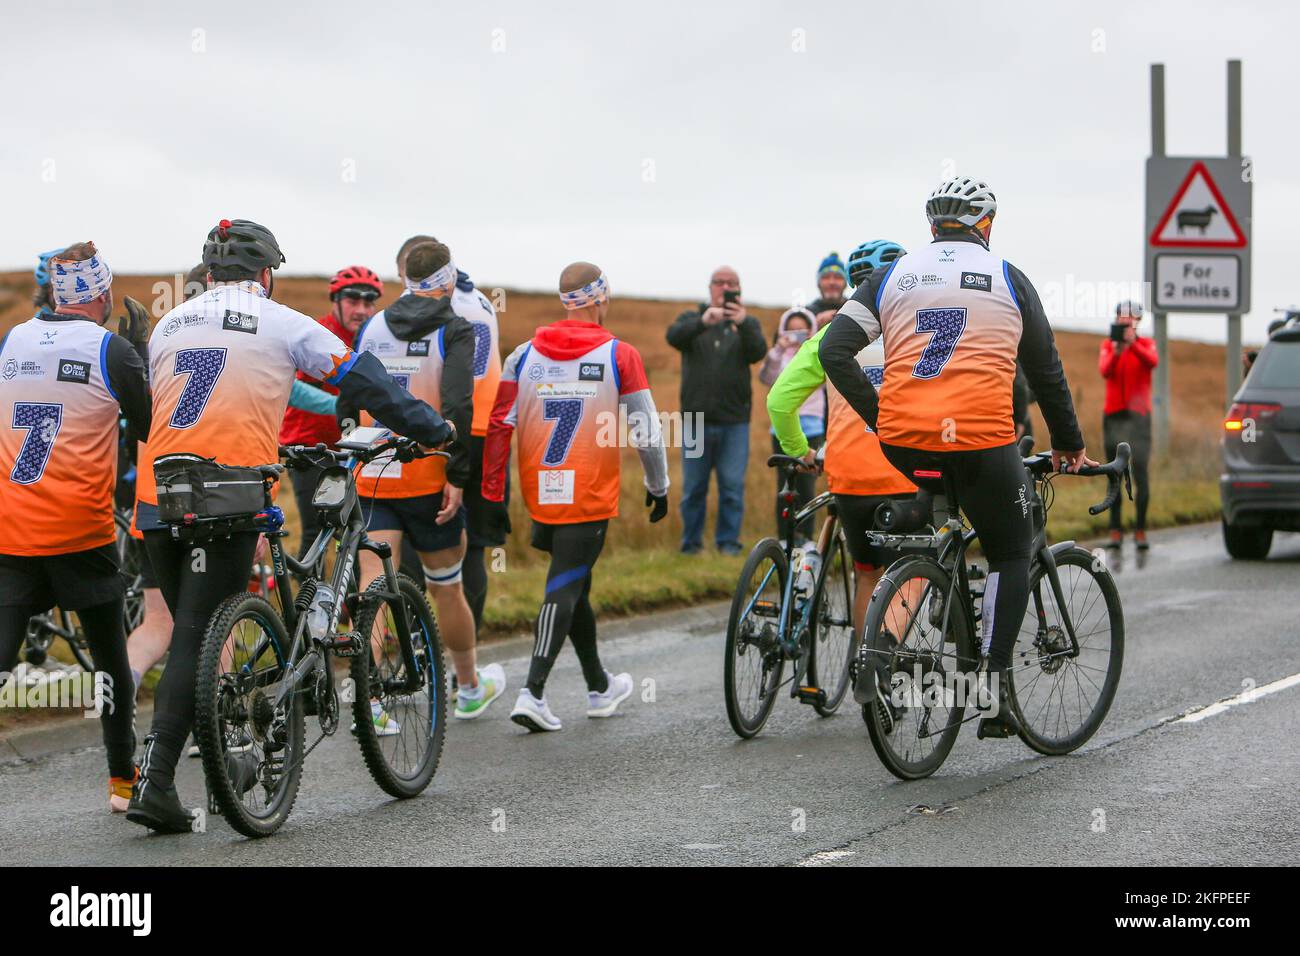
(43, 629)
(261, 673)
(917, 667)
(775, 618)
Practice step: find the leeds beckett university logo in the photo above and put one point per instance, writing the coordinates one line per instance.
(10, 370)
(591, 372)
(70, 371)
(239, 322)
(907, 281)
(977, 281)
(418, 348)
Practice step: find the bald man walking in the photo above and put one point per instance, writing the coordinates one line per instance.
(719, 341)
(567, 391)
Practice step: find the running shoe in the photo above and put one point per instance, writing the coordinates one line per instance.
(604, 704)
(472, 701)
(385, 726)
(533, 713)
(1140, 537)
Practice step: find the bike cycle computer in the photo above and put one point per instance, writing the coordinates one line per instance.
(362, 437)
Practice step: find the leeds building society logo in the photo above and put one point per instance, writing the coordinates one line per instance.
(977, 281)
(71, 371)
(591, 372)
(239, 322)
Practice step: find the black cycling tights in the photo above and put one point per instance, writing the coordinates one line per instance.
(994, 491)
(194, 578)
(475, 583)
(566, 609)
(103, 627)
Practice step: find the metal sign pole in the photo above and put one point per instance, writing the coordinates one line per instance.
(1160, 398)
(1233, 369)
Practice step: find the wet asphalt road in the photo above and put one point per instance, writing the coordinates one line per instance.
(667, 782)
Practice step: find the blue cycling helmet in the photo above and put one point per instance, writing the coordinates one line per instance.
(42, 273)
(870, 256)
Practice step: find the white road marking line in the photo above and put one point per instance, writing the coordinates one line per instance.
(701, 846)
(1245, 697)
(826, 856)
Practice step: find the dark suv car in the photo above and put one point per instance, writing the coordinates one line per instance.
(1260, 484)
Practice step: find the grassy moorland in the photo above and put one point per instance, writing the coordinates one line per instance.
(641, 569)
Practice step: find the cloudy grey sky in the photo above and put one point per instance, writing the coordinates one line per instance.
(655, 139)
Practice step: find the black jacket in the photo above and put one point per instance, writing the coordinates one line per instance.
(414, 317)
(1037, 357)
(715, 365)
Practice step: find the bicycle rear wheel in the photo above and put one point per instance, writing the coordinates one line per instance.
(402, 744)
(252, 748)
(130, 554)
(929, 674)
(754, 660)
(834, 642)
(1060, 700)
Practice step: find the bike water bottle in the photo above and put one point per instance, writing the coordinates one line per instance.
(810, 563)
(318, 615)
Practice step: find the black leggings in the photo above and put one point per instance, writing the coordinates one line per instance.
(474, 582)
(995, 492)
(805, 487)
(566, 609)
(194, 578)
(105, 634)
(1136, 430)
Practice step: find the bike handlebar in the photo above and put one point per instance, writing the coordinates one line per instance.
(1041, 464)
(406, 449)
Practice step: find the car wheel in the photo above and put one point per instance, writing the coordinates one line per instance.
(1247, 544)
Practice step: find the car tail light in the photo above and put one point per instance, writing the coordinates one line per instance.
(1243, 411)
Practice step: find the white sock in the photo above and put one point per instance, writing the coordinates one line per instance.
(471, 693)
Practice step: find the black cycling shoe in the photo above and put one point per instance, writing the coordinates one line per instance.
(1005, 723)
(158, 808)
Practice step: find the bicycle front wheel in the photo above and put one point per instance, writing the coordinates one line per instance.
(251, 742)
(925, 671)
(1061, 700)
(754, 660)
(834, 642)
(399, 722)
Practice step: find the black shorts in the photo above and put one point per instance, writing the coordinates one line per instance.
(543, 536)
(72, 581)
(857, 514)
(416, 518)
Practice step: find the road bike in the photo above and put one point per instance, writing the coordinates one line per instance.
(262, 672)
(918, 665)
(790, 607)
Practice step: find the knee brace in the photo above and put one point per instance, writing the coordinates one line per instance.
(442, 577)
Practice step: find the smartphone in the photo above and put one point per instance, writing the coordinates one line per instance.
(799, 335)
(731, 295)
(1117, 332)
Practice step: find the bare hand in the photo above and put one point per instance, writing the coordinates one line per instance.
(810, 460)
(1073, 460)
(712, 315)
(735, 312)
(451, 499)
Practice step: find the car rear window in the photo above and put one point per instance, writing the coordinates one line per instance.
(1278, 366)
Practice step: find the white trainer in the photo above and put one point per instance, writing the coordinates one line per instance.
(533, 713)
(604, 705)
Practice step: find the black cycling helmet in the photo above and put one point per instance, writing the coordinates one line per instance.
(243, 244)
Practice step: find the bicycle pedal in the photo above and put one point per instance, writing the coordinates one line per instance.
(342, 645)
(812, 695)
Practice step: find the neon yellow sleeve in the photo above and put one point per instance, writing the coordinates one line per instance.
(798, 380)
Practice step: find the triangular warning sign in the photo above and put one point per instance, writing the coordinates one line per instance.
(1198, 218)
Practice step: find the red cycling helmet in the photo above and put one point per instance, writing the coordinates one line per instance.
(355, 276)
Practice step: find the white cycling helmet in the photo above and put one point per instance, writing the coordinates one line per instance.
(961, 201)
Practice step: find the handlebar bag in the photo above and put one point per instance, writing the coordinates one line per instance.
(193, 485)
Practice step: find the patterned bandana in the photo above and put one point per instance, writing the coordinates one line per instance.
(435, 286)
(76, 283)
(593, 293)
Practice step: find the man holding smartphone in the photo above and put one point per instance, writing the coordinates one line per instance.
(719, 341)
(1126, 362)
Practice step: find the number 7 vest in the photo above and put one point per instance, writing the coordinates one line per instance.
(58, 438)
(417, 367)
(951, 326)
(567, 423)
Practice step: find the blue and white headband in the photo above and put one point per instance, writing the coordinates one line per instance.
(76, 283)
(437, 285)
(593, 293)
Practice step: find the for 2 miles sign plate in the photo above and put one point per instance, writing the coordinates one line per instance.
(1198, 221)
